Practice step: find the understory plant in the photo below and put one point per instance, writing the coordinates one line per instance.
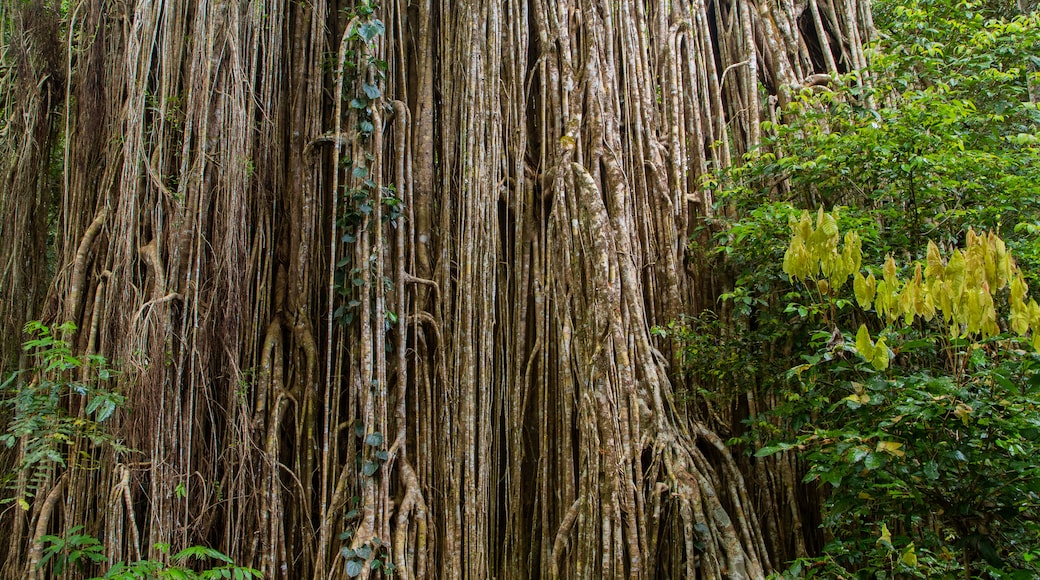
(58, 411)
(181, 568)
(901, 368)
(917, 408)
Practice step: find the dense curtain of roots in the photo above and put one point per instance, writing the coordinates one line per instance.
(176, 177)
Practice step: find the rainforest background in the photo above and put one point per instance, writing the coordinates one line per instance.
(513, 289)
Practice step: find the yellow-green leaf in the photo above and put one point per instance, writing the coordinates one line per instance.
(889, 270)
(864, 289)
(975, 275)
(955, 274)
(1019, 288)
(864, 346)
(885, 538)
(974, 311)
(1019, 318)
(906, 304)
(880, 359)
(996, 252)
(935, 265)
(1019, 321)
(989, 261)
(803, 229)
(829, 225)
(824, 239)
(858, 399)
(1034, 323)
(833, 266)
(797, 261)
(789, 259)
(823, 286)
(884, 299)
(927, 306)
(852, 252)
(963, 412)
(890, 447)
(909, 556)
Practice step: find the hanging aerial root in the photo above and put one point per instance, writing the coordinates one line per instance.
(727, 543)
(33, 568)
(560, 543)
(121, 495)
(411, 503)
(79, 268)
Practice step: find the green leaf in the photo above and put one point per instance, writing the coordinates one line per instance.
(873, 461)
(354, 568)
(832, 476)
(371, 91)
(931, 470)
(771, 450)
(370, 30)
(375, 439)
(369, 468)
(859, 454)
(106, 409)
(200, 553)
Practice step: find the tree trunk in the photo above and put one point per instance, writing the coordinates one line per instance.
(392, 284)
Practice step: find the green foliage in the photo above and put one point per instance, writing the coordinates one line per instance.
(363, 197)
(712, 358)
(373, 454)
(48, 433)
(374, 552)
(911, 393)
(747, 343)
(942, 139)
(371, 552)
(181, 569)
(39, 400)
(74, 548)
(929, 437)
(82, 550)
(961, 292)
(947, 465)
